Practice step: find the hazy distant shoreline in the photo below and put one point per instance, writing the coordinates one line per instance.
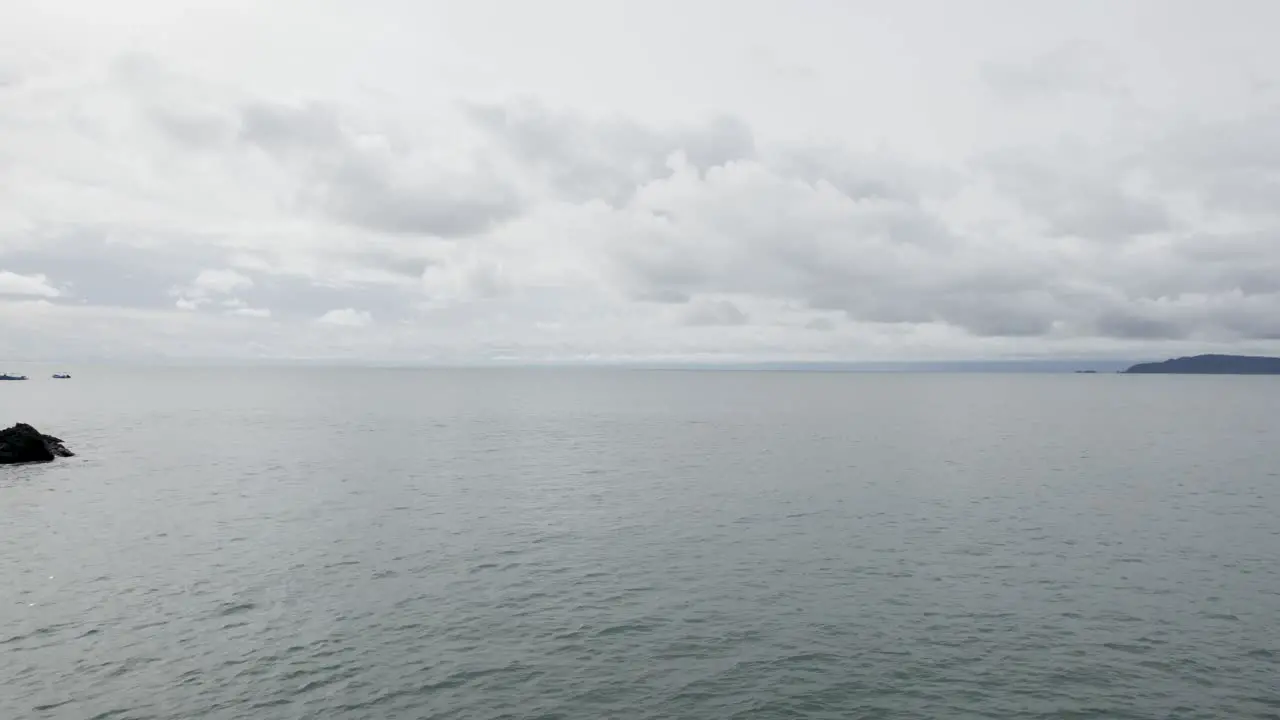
(959, 366)
(1196, 364)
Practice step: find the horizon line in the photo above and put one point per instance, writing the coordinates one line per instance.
(1006, 364)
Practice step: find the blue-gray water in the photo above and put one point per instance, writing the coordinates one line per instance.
(610, 544)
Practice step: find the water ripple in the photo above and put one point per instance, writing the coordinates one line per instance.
(788, 547)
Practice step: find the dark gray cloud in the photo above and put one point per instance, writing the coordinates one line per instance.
(1128, 324)
(369, 194)
(880, 253)
(185, 110)
(989, 312)
(355, 172)
(94, 267)
(707, 312)
(101, 271)
(307, 129)
(821, 324)
(1229, 317)
(405, 266)
(761, 232)
(369, 185)
(195, 128)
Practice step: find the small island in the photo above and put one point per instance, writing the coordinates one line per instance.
(1211, 365)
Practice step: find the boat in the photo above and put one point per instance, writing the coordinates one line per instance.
(7, 376)
(61, 376)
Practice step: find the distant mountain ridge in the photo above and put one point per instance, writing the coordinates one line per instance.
(1211, 365)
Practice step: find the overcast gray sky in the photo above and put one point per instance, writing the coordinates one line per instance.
(593, 179)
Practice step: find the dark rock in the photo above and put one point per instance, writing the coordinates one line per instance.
(23, 444)
(1212, 365)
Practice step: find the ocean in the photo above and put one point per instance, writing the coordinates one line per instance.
(583, 544)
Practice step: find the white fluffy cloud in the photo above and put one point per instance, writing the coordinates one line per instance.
(209, 285)
(250, 312)
(960, 194)
(219, 282)
(37, 285)
(346, 317)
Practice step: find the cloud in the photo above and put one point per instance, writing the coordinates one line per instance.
(369, 180)
(219, 282)
(1079, 191)
(346, 317)
(208, 285)
(1092, 200)
(1229, 166)
(606, 159)
(745, 228)
(464, 277)
(1070, 69)
(822, 324)
(250, 312)
(708, 312)
(35, 285)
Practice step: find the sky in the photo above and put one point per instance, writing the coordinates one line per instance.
(604, 181)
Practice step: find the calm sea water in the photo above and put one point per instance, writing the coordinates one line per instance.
(620, 544)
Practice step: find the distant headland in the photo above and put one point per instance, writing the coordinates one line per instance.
(1211, 365)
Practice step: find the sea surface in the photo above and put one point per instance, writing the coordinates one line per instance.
(585, 544)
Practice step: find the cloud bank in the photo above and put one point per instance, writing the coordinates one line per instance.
(410, 200)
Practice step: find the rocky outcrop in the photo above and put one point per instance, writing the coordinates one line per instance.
(24, 444)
